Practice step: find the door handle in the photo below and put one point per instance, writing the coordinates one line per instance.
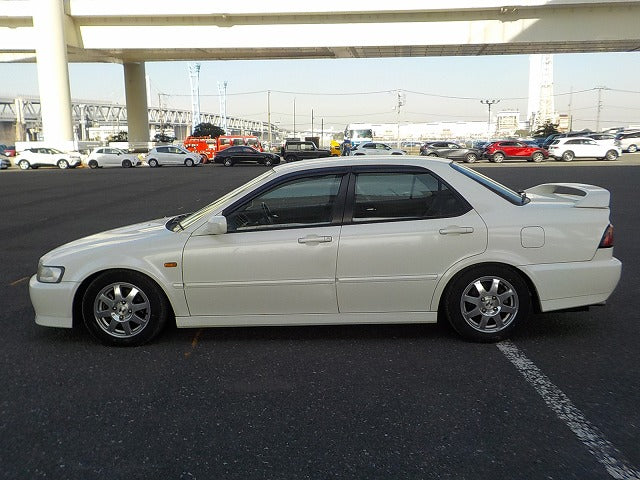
(315, 239)
(455, 230)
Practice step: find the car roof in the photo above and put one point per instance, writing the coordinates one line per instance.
(361, 160)
(565, 139)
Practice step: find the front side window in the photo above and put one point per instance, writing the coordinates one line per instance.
(398, 196)
(302, 202)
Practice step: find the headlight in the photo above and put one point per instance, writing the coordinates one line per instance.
(48, 274)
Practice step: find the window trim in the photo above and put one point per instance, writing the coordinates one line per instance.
(338, 209)
(388, 169)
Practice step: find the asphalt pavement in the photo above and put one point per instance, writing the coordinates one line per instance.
(558, 401)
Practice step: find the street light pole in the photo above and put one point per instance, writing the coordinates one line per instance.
(488, 103)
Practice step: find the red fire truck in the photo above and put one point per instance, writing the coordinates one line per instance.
(210, 146)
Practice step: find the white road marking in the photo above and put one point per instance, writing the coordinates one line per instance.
(614, 462)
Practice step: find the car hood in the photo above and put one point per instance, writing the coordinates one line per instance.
(145, 231)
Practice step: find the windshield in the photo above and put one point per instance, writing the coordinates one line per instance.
(499, 189)
(212, 207)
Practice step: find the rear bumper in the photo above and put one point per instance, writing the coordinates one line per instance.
(575, 284)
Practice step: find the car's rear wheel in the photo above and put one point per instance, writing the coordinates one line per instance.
(124, 308)
(432, 154)
(568, 156)
(93, 164)
(537, 157)
(126, 164)
(62, 163)
(189, 162)
(24, 165)
(632, 148)
(470, 157)
(486, 303)
(498, 157)
(153, 162)
(228, 162)
(611, 155)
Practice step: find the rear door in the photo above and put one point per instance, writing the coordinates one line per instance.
(404, 227)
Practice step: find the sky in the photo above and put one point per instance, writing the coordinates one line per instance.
(341, 91)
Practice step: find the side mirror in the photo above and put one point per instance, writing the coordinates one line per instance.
(217, 225)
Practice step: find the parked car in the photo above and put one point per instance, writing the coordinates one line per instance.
(629, 141)
(294, 150)
(375, 148)
(241, 154)
(309, 243)
(511, 149)
(46, 157)
(607, 139)
(112, 157)
(7, 150)
(568, 148)
(451, 150)
(4, 162)
(172, 155)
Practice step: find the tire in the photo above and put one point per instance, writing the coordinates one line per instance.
(228, 162)
(268, 162)
(432, 154)
(93, 164)
(537, 157)
(63, 164)
(153, 163)
(611, 155)
(24, 165)
(632, 148)
(189, 162)
(470, 158)
(568, 156)
(490, 314)
(113, 318)
(126, 164)
(498, 157)
(290, 158)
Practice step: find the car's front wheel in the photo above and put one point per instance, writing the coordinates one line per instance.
(632, 148)
(568, 156)
(498, 157)
(470, 157)
(537, 157)
(228, 162)
(126, 164)
(93, 164)
(153, 162)
(486, 303)
(189, 162)
(62, 163)
(24, 165)
(611, 155)
(268, 162)
(124, 308)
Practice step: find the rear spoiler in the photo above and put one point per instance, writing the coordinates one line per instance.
(583, 195)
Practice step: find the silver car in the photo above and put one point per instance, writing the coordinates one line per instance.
(376, 148)
(172, 155)
(112, 157)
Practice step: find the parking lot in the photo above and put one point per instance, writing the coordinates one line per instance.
(557, 401)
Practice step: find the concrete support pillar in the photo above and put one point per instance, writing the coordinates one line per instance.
(53, 71)
(135, 89)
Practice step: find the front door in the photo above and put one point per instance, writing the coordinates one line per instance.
(278, 256)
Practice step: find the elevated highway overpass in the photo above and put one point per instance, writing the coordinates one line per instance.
(53, 33)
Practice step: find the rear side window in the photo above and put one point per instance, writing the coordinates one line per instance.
(492, 185)
(404, 196)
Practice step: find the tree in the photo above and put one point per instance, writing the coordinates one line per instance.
(207, 130)
(547, 129)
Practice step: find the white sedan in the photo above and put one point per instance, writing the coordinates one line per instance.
(568, 148)
(46, 157)
(172, 155)
(112, 157)
(342, 241)
(375, 148)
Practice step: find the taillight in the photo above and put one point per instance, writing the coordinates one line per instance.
(607, 238)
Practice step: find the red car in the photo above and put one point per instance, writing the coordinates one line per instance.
(498, 151)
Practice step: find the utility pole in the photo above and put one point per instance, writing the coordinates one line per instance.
(222, 91)
(312, 123)
(570, 114)
(489, 103)
(600, 88)
(294, 117)
(401, 102)
(269, 117)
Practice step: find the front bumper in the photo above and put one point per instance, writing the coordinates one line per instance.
(53, 302)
